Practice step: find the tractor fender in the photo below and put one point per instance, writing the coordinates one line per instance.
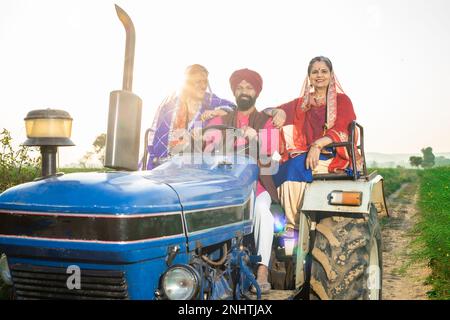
(316, 197)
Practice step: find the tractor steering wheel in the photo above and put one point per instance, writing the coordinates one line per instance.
(237, 133)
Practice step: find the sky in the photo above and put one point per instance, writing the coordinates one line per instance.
(391, 57)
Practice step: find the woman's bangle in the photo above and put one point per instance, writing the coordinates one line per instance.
(316, 145)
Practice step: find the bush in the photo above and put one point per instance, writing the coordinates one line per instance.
(16, 166)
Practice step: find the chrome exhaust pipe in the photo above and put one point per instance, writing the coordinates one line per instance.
(125, 110)
(130, 43)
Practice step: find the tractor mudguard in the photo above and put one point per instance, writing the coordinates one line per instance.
(317, 196)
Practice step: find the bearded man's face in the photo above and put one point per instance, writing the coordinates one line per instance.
(245, 95)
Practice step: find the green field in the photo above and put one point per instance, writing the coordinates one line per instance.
(434, 228)
(74, 170)
(394, 178)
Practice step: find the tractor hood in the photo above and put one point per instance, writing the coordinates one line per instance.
(121, 206)
(215, 195)
(216, 183)
(114, 207)
(92, 193)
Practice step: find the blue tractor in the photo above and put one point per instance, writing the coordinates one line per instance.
(183, 230)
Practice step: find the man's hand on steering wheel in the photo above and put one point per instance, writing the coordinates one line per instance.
(249, 132)
(215, 138)
(197, 133)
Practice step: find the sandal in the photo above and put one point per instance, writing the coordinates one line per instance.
(265, 288)
(264, 285)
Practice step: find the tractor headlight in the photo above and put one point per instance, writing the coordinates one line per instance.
(48, 123)
(180, 282)
(4, 271)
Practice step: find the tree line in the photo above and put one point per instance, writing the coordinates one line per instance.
(426, 161)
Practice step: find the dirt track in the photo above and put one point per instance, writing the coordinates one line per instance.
(400, 283)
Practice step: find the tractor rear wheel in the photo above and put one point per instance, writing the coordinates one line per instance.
(346, 258)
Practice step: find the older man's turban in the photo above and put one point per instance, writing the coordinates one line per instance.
(248, 75)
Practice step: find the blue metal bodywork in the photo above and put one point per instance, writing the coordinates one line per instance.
(176, 188)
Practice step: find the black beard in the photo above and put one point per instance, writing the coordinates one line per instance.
(245, 104)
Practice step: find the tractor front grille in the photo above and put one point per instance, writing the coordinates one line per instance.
(41, 282)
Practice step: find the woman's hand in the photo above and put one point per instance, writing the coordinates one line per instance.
(278, 118)
(209, 114)
(312, 159)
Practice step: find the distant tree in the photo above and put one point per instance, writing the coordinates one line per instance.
(428, 157)
(99, 146)
(415, 161)
(97, 155)
(85, 159)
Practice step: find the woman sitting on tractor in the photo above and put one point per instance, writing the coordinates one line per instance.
(320, 116)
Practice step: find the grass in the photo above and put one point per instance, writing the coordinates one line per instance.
(15, 176)
(433, 229)
(74, 170)
(383, 221)
(432, 232)
(394, 178)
